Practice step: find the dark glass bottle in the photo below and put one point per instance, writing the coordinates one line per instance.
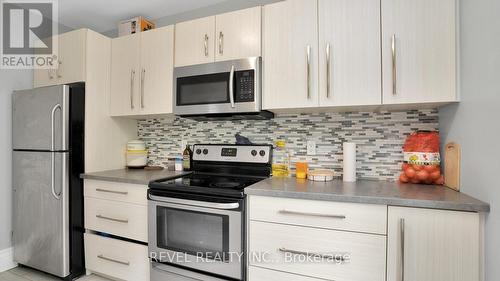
(187, 158)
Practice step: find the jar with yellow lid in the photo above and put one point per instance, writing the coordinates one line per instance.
(281, 160)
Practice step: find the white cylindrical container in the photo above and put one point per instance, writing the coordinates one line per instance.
(349, 162)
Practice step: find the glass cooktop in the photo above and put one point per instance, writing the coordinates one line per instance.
(209, 184)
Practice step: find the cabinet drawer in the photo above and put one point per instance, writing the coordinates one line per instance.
(259, 274)
(117, 218)
(286, 246)
(332, 215)
(115, 258)
(123, 192)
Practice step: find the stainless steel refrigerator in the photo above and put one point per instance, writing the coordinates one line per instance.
(47, 160)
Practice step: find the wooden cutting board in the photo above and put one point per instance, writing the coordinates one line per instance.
(452, 165)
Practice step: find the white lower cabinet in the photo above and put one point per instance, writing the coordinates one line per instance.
(120, 210)
(291, 239)
(258, 273)
(305, 251)
(433, 245)
(116, 258)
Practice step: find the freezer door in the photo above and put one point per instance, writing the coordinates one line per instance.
(40, 215)
(40, 119)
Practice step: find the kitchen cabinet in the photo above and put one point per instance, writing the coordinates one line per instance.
(218, 38)
(359, 54)
(419, 51)
(125, 71)
(343, 70)
(195, 41)
(70, 61)
(284, 228)
(142, 73)
(349, 53)
(433, 245)
(241, 40)
(119, 209)
(290, 55)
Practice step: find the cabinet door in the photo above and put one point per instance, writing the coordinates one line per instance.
(419, 51)
(290, 54)
(157, 59)
(240, 40)
(70, 63)
(349, 59)
(125, 75)
(433, 245)
(194, 41)
(72, 46)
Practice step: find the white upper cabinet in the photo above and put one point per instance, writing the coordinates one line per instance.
(349, 52)
(157, 60)
(290, 55)
(125, 75)
(70, 62)
(433, 245)
(194, 41)
(234, 35)
(142, 73)
(419, 51)
(238, 34)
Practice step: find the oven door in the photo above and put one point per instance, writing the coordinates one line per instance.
(206, 236)
(218, 88)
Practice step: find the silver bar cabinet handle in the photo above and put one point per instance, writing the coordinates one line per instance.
(308, 70)
(330, 257)
(53, 154)
(111, 219)
(143, 77)
(231, 86)
(221, 43)
(113, 260)
(205, 43)
(287, 212)
(402, 233)
(328, 78)
(394, 66)
(132, 78)
(111, 191)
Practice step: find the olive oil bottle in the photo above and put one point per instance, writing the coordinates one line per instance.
(187, 159)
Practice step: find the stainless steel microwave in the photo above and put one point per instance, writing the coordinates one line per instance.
(220, 89)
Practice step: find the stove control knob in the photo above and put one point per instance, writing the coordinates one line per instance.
(205, 151)
(254, 152)
(198, 151)
(262, 153)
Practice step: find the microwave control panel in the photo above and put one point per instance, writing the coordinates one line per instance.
(245, 86)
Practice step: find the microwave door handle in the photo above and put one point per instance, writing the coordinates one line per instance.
(231, 86)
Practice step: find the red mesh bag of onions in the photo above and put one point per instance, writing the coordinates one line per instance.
(422, 161)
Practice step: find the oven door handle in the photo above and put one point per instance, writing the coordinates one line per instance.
(220, 206)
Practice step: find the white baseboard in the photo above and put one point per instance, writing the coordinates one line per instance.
(7, 259)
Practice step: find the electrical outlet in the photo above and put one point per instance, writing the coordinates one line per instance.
(311, 147)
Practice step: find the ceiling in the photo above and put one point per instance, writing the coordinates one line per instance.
(104, 15)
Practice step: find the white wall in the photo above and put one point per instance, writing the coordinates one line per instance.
(224, 7)
(475, 122)
(9, 80)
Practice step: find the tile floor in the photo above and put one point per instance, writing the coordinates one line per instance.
(28, 274)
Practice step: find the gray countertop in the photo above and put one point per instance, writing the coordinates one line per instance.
(369, 192)
(134, 176)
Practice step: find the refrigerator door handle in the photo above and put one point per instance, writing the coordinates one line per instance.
(53, 154)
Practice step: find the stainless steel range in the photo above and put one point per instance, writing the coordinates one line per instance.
(197, 222)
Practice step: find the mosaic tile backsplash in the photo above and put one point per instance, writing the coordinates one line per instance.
(379, 137)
